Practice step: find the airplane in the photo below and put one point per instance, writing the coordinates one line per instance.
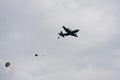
(68, 32)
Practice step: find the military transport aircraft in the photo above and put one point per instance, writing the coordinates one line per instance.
(68, 32)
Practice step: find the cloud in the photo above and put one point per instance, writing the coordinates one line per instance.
(21, 75)
(27, 26)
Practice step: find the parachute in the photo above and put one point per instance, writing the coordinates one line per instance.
(7, 64)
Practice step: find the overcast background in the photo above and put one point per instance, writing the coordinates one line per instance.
(28, 27)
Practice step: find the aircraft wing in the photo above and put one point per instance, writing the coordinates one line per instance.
(66, 29)
(74, 35)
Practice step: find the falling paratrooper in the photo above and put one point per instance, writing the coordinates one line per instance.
(36, 55)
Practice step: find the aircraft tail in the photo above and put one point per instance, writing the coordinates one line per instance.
(61, 34)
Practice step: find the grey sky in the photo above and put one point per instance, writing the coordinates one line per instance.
(31, 26)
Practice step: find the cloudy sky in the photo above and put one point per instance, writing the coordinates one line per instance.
(28, 27)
